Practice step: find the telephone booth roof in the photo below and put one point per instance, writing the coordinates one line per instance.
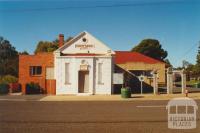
(183, 101)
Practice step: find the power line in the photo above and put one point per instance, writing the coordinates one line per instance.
(94, 6)
(187, 52)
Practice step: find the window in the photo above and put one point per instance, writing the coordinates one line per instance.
(84, 39)
(67, 75)
(35, 70)
(100, 73)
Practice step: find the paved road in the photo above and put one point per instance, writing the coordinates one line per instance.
(86, 117)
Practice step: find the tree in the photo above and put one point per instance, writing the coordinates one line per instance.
(47, 46)
(185, 64)
(197, 66)
(23, 53)
(151, 48)
(189, 69)
(168, 63)
(198, 56)
(8, 58)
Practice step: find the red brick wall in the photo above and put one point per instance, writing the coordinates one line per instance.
(25, 61)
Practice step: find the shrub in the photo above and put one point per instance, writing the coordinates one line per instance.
(33, 88)
(4, 88)
(8, 79)
(196, 85)
(15, 87)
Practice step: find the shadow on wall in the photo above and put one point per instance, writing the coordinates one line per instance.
(132, 82)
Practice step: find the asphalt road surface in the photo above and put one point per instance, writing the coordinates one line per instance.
(86, 117)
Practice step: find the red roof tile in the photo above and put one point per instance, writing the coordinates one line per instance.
(122, 57)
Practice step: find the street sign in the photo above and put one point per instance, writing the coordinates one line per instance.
(118, 78)
(141, 78)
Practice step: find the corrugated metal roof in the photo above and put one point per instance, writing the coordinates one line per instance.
(123, 57)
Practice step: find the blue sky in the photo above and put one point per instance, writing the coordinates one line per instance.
(175, 23)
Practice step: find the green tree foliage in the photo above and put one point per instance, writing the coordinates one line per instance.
(8, 58)
(197, 66)
(47, 46)
(198, 56)
(151, 48)
(23, 53)
(189, 69)
(185, 64)
(193, 70)
(168, 63)
(8, 79)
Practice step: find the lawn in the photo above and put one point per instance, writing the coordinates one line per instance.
(189, 83)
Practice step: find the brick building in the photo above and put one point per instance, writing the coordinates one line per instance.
(34, 68)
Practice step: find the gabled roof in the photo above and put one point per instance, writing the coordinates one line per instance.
(122, 57)
(74, 39)
(95, 46)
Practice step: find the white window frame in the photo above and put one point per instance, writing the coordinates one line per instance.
(34, 70)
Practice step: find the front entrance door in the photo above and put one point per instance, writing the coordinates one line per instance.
(83, 82)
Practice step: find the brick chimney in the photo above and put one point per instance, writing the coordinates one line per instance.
(61, 40)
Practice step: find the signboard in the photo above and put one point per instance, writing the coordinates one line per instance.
(84, 67)
(141, 78)
(118, 78)
(84, 46)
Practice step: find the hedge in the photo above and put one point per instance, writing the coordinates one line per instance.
(4, 88)
(15, 87)
(33, 88)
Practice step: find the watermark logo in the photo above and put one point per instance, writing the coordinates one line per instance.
(182, 113)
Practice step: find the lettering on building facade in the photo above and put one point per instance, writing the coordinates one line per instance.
(84, 46)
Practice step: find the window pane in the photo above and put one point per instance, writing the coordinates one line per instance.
(33, 70)
(39, 70)
(67, 76)
(100, 73)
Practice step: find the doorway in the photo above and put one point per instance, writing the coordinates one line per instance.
(83, 81)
